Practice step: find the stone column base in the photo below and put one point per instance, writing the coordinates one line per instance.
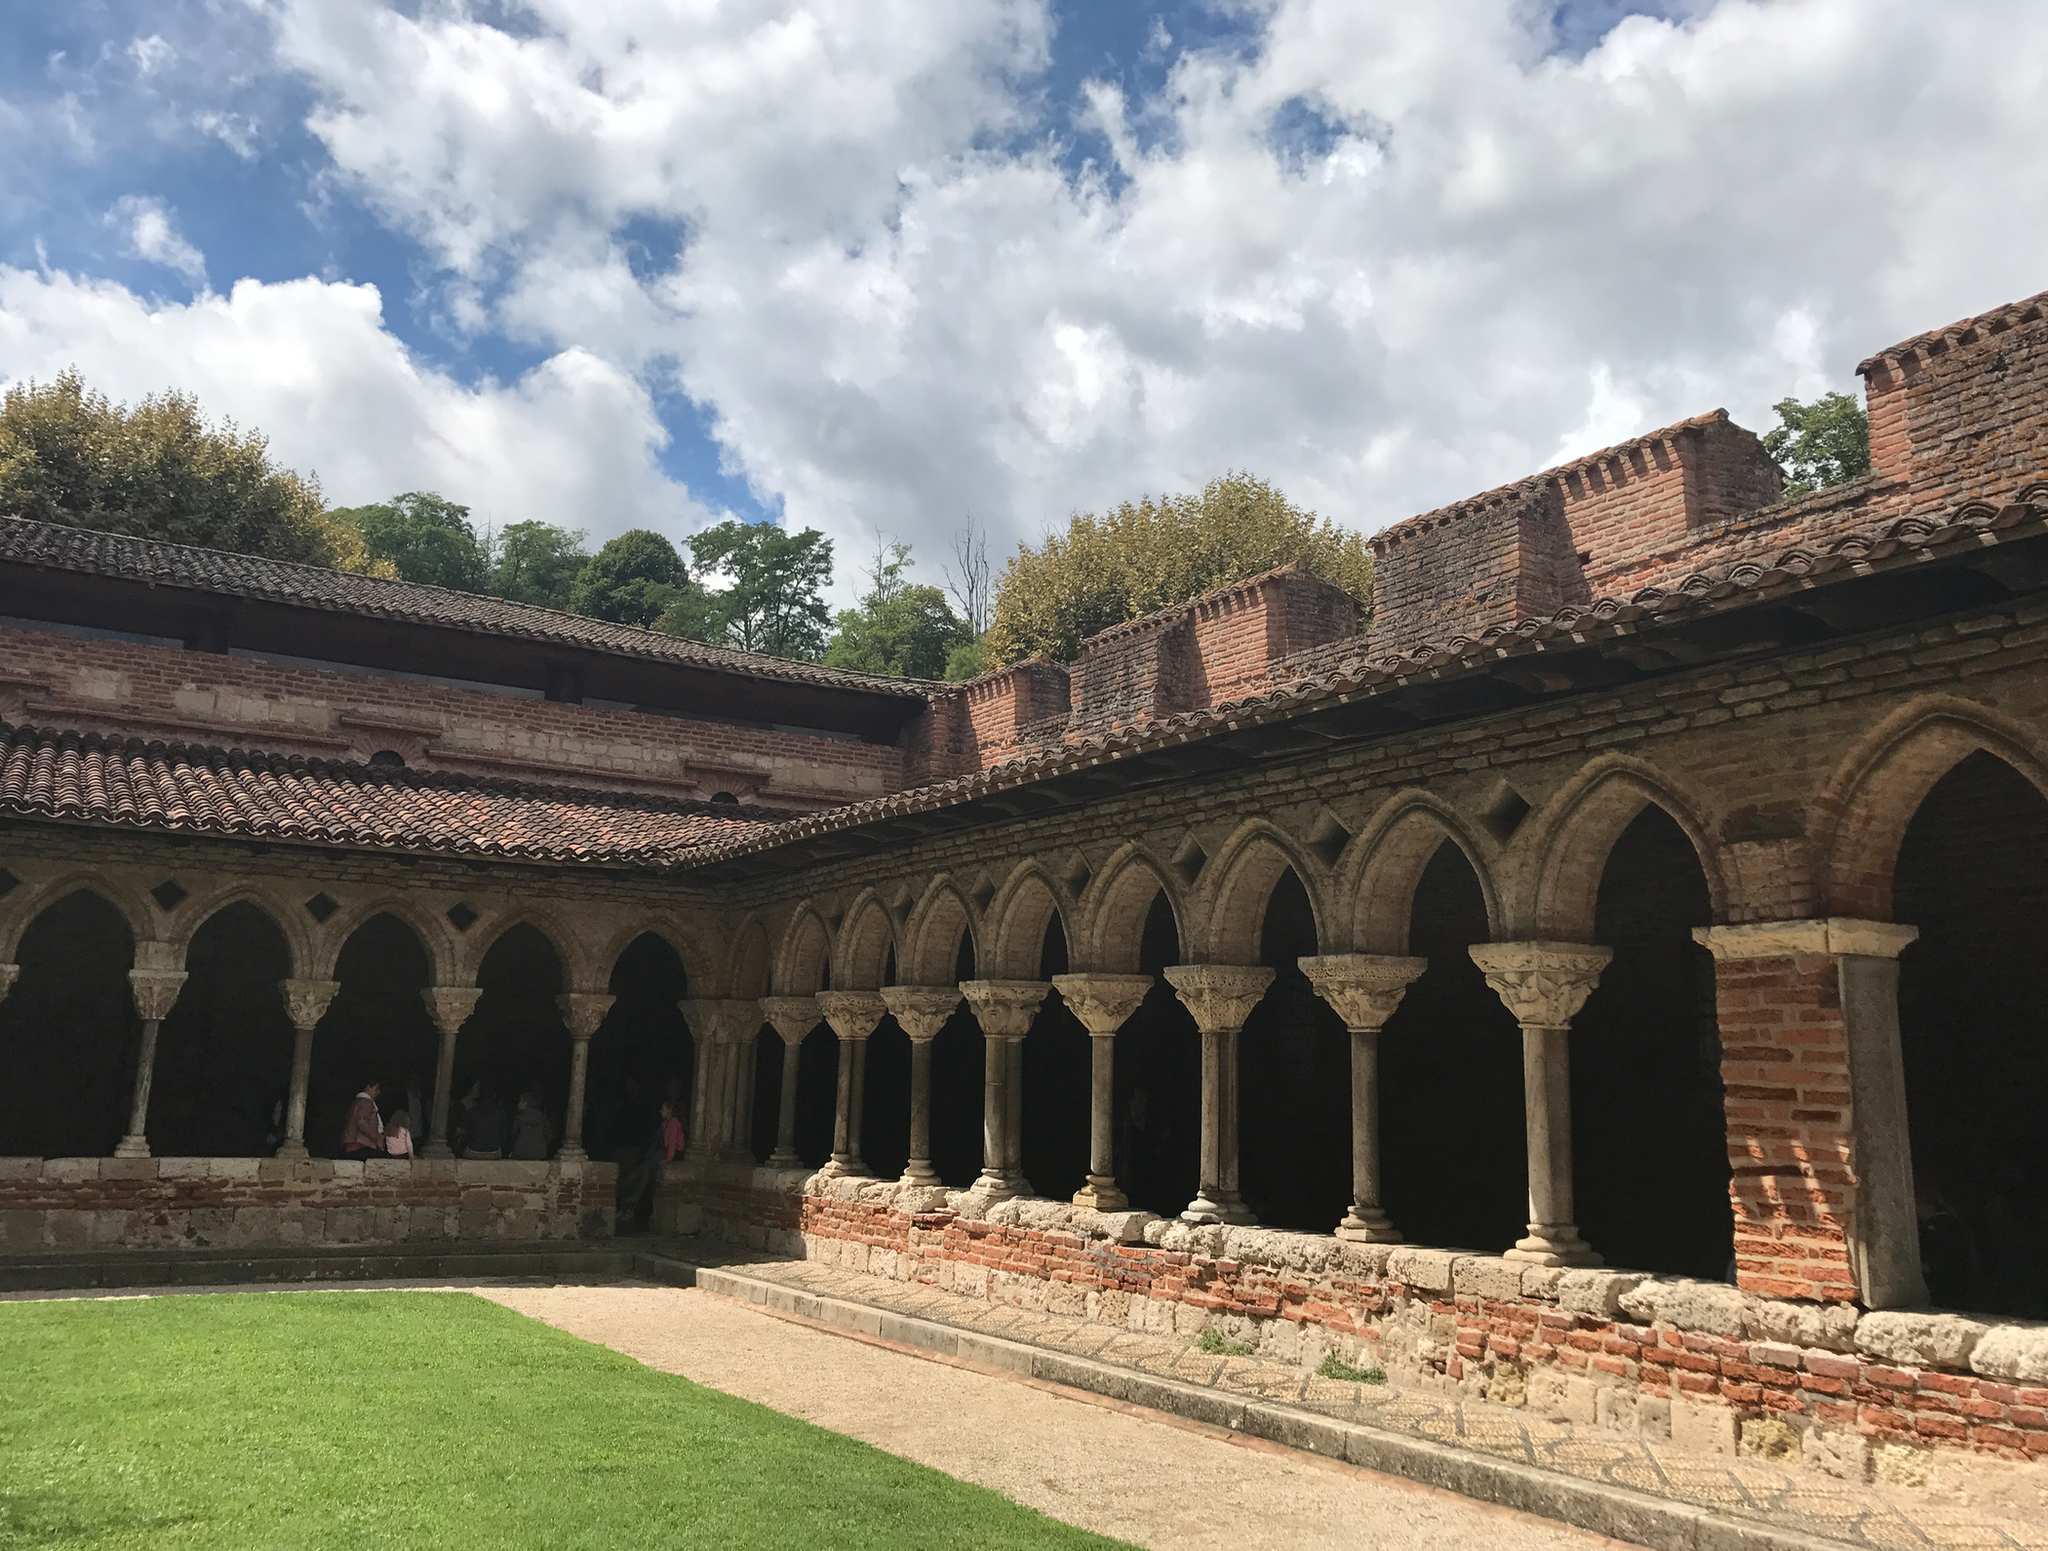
(292, 1152)
(1228, 1210)
(1100, 1194)
(133, 1147)
(1553, 1244)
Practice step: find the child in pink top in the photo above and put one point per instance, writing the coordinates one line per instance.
(398, 1135)
(671, 1133)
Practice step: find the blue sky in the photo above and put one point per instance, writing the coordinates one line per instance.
(878, 266)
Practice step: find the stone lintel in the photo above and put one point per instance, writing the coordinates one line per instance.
(1838, 935)
(1005, 1008)
(1364, 988)
(1103, 1003)
(852, 1014)
(921, 1010)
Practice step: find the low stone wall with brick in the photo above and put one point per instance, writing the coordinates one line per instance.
(59, 1204)
(1843, 1391)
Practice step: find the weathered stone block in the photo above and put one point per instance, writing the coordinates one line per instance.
(2013, 1351)
(1596, 1292)
(1919, 1340)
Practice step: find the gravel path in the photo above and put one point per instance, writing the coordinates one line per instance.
(1146, 1479)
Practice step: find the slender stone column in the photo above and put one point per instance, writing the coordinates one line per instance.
(449, 1007)
(853, 1016)
(792, 1017)
(1004, 1009)
(1544, 984)
(1104, 1004)
(155, 989)
(922, 1011)
(582, 1011)
(721, 1028)
(306, 1002)
(1364, 988)
(1816, 1109)
(1221, 997)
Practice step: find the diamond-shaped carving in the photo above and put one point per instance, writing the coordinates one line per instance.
(1328, 838)
(168, 895)
(1189, 860)
(983, 891)
(321, 906)
(1077, 873)
(463, 917)
(8, 883)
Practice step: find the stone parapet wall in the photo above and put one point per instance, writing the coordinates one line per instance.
(1705, 1363)
(51, 1204)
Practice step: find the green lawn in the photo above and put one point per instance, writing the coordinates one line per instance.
(430, 1421)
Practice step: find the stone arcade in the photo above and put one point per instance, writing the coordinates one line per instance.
(1657, 883)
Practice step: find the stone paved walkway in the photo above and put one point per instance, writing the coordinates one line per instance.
(1792, 1498)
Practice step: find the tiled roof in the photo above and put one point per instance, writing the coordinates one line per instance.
(1965, 331)
(1352, 670)
(153, 785)
(249, 576)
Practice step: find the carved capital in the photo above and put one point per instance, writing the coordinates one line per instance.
(155, 991)
(1544, 984)
(450, 1006)
(922, 1010)
(1220, 996)
(722, 1021)
(583, 1011)
(306, 1001)
(852, 1014)
(1005, 1008)
(9, 973)
(792, 1016)
(1365, 988)
(1103, 1003)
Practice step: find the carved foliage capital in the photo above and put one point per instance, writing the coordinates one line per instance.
(1005, 1008)
(1103, 1003)
(721, 1021)
(583, 1011)
(1220, 996)
(921, 1010)
(306, 1001)
(156, 991)
(1544, 984)
(852, 1014)
(450, 1006)
(1364, 988)
(792, 1016)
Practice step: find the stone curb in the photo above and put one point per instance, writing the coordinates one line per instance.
(1603, 1508)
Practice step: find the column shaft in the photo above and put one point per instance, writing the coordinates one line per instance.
(1547, 1107)
(919, 1170)
(295, 1106)
(136, 1143)
(1102, 1113)
(1367, 1218)
(784, 1156)
(442, 1145)
(1220, 997)
(1103, 1003)
(579, 1074)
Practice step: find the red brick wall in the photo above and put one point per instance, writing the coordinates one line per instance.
(123, 687)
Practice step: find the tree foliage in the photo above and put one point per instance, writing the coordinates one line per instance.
(426, 538)
(537, 562)
(161, 471)
(900, 627)
(1820, 444)
(1106, 569)
(773, 599)
(632, 580)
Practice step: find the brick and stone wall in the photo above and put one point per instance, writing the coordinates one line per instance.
(55, 1204)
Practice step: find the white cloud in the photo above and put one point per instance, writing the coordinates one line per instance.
(152, 234)
(311, 363)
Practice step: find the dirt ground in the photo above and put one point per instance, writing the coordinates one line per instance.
(1148, 1480)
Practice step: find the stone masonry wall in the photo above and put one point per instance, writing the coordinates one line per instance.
(201, 1203)
(124, 687)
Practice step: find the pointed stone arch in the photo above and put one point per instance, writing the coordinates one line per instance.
(803, 964)
(1112, 912)
(445, 963)
(1860, 818)
(1577, 830)
(570, 949)
(866, 938)
(932, 935)
(1019, 914)
(752, 970)
(1247, 866)
(686, 940)
(291, 921)
(126, 903)
(1386, 862)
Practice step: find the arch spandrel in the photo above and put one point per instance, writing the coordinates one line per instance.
(1017, 919)
(1246, 868)
(1554, 879)
(866, 939)
(1861, 815)
(1112, 910)
(932, 935)
(1384, 865)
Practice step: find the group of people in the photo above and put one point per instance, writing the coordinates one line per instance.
(370, 1133)
(480, 1125)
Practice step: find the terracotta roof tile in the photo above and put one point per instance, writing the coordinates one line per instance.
(1964, 331)
(155, 785)
(250, 576)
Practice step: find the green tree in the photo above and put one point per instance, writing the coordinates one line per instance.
(1820, 444)
(968, 660)
(1106, 569)
(900, 627)
(162, 471)
(426, 537)
(772, 602)
(631, 581)
(537, 562)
